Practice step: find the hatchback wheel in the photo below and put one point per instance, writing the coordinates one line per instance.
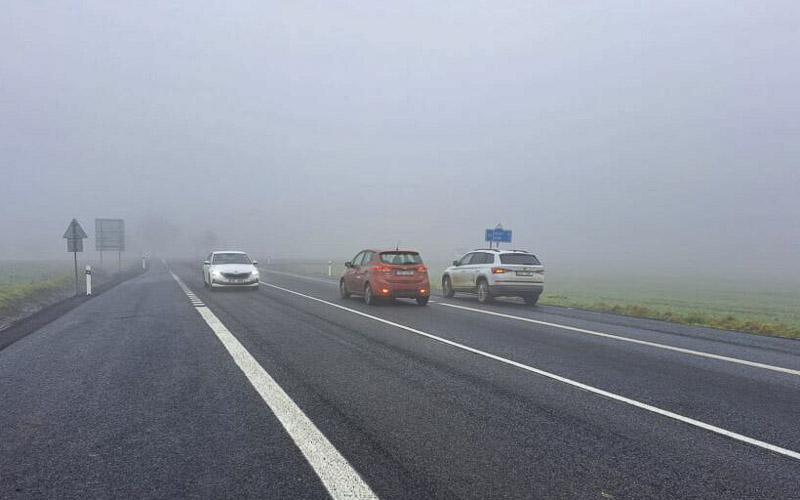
(447, 287)
(483, 292)
(369, 298)
(423, 301)
(343, 290)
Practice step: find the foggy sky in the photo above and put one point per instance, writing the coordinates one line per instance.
(646, 134)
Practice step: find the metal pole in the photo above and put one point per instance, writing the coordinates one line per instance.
(75, 258)
(119, 261)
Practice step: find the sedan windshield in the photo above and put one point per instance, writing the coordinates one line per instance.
(231, 258)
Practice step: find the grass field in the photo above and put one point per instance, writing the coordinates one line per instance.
(762, 308)
(22, 282)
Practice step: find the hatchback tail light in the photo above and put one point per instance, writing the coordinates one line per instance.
(382, 269)
(422, 269)
(500, 270)
(539, 271)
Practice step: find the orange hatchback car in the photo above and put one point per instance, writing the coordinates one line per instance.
(392, 274)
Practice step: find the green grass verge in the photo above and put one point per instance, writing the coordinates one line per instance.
(730, 321)
(23, 282)
(763, 309)
(13, 296)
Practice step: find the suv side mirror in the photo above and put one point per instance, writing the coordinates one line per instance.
(348, 264)
(207, 263)
(255, 262)
(455, 263)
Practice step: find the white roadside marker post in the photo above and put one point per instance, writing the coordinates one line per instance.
(144, 262)
(88, 272)
(329, 267)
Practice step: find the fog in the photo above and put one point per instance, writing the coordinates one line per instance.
(643, 135)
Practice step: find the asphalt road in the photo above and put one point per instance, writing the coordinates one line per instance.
(291, 392)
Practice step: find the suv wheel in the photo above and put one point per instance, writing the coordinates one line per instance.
(343, 290)
(531, 300)
(483, 292)
(369, 298)
(447, 287)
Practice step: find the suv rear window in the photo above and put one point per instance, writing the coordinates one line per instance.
(401, 258)
(523, 259)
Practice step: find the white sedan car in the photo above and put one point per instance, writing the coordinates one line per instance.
(230, 270)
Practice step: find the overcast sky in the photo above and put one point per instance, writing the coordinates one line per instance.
(646, 134)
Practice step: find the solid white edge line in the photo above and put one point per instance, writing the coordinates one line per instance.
(335, 472)
(682, 350)
(634, 341)
(559, 378)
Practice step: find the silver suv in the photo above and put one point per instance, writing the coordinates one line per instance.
(496, 273)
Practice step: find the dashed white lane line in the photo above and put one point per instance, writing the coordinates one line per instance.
(559, 378)
(628, 339)
(335, 472)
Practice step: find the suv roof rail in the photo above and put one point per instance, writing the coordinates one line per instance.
(486, 249)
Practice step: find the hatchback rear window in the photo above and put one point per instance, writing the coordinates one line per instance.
(401, 258)
(523, 259)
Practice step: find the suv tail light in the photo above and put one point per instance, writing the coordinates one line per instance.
(500, 270)
(422, 269)
(539, 271)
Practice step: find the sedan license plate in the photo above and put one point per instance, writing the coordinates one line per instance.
(404, 273)
(524, 273)
(238, 281)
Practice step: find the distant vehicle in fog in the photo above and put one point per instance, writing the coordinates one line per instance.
(492, 273)
(230, 269)
(375, 274)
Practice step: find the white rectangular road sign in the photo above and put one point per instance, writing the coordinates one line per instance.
(109, 235)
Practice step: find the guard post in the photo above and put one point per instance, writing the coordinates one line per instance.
(88, 273)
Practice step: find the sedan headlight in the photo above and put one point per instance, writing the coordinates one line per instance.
(215, 273)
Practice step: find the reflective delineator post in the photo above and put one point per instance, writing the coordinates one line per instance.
(144, 263)
(88, 272)
(329, 268)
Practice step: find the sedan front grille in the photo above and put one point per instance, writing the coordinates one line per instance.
(236, 276)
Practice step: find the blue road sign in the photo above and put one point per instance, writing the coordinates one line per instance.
(498, 235)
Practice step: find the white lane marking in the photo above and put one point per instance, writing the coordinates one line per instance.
(559, 378)
(336, 473)
(692, 352)
(633, 341)
(321, 280)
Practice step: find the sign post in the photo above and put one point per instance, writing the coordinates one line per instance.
(74, 236)
(110, 235)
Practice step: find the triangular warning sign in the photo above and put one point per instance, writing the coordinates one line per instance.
(75, 231)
